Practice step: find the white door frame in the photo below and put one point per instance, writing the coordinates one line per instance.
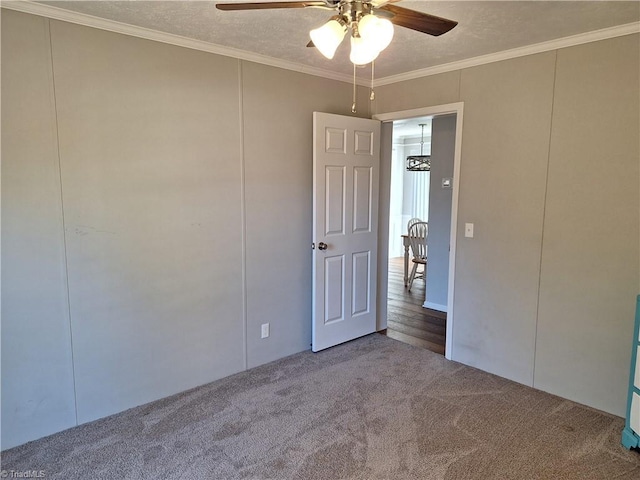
(383, 273)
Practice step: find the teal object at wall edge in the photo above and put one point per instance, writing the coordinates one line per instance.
(631, 439)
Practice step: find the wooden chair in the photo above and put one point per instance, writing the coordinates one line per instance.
(411, 222)
(418, 242)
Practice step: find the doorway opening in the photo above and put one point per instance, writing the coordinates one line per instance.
(407, 319)
(422, 314)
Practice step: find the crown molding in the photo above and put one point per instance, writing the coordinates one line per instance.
(594, 36)
(56, 13)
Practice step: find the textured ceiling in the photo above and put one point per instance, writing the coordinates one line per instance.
(484, 27)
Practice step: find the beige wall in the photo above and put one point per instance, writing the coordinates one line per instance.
(589, 275)
(505, 146)
(173, 188)
(278, 137)
(36, 345)
(545, 291)
(149, 157)
(434, 90)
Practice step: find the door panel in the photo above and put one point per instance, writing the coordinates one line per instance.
(334, 289)
(363, 143)
(345, 228)
(334, 200)
(336, 140)
(360, 291)
(362, 199)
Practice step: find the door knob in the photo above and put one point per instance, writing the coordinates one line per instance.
(322, 246)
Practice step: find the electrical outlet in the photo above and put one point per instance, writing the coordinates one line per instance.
(265, 330)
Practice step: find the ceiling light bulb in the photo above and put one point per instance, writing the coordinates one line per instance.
(375, 29)
(385, 33)
(367, 25)
(328, 37)
(363, 51)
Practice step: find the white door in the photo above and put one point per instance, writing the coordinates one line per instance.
(346, 160)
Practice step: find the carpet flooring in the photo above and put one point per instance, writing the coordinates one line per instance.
(373, 408)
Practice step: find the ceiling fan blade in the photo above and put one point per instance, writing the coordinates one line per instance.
(266, 5)
(421, 22)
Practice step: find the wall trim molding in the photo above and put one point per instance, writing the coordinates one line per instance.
(85, 20)
(579, 39)
(56, 13)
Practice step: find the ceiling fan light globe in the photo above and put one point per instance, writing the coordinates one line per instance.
(368, 26)
(385, 35)
(377, 30)
(327, 37)
(363, 51)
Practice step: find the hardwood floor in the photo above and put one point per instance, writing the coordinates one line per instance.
(407, 320)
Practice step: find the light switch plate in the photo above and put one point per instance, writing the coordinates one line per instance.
(468, 230)
(446, 183)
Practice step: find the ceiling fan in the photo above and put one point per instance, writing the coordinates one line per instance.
(370, 22)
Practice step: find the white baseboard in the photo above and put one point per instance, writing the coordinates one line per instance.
(435, 306)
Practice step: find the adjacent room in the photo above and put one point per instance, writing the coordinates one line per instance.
(177, 300)
(417, 295)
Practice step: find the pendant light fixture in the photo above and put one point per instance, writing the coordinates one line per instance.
(419, 163)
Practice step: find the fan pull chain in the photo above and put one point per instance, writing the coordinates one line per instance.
(372, 95)
(353, 106)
